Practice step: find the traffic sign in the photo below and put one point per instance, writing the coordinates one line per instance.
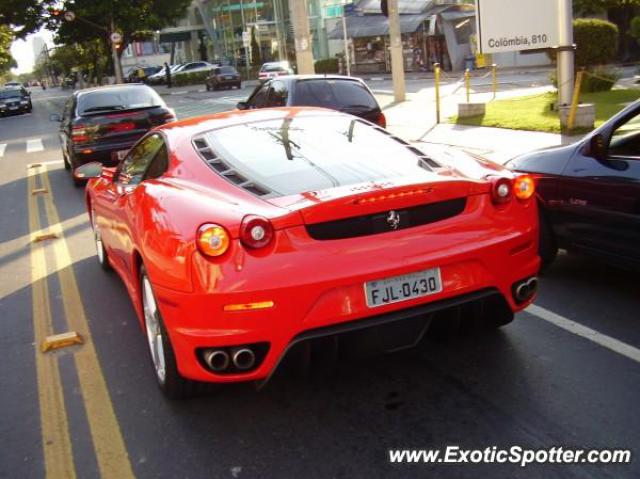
(115, 37)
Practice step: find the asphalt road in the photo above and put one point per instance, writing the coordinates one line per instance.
(540, 382)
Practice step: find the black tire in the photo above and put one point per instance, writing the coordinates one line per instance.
(215, 87)
(67, 166)
(173, 385)
(239, 85)
(547, 245)
(72, 166)
(208, 87)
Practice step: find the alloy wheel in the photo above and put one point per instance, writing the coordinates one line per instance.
(154, 331)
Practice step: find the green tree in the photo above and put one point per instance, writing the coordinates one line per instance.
(634, 29)
(255, 48)
(26, 16)
(6, 60)
(595, 40)
(135, 20)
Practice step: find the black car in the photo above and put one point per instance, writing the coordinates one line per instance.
(134, 77)
(14, 100)
(101, 124)
(589, 192)
(345, 94)
(223, 77)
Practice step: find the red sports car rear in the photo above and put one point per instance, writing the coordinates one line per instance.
(245, 236)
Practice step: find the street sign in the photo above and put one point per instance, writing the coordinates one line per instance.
(246, 39)
(116, 38)
(516, 25)
(69, 16)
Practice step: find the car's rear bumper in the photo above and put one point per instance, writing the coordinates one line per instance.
(102, 152)
(327, 292)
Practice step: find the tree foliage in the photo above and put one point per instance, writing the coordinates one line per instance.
(591, 7)
(255, 48)
(26, 16)
(135, 20)
(6, 60)
(596, 41)
(634, 29)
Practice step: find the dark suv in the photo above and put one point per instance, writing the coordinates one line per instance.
(101, 124)
(14, 100)
(345, 94)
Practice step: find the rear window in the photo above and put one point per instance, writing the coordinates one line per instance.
(334, 94)
(227, 70)
(309, 152)
(274, 67)
(118, 99)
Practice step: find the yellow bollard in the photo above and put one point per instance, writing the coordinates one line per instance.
(494, 80)
(574, 101)
(466, 82)
(436, 71)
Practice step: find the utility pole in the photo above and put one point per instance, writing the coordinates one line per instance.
(346, 40)
(299, 18)
(397, 57)
(114, 50)
(565, 52)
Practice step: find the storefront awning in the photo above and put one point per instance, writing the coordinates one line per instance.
(375, 26)
(452, 16)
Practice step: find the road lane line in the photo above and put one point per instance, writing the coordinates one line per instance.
(35, 145)
(111, 452)
(3, 147)
(56, 442)
(583, 331)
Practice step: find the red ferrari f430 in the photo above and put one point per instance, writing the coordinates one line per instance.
(245, 236)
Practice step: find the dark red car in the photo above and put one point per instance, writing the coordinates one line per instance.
(244, 236)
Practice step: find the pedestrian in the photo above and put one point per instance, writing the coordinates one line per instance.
(141, 75)
(167, 73)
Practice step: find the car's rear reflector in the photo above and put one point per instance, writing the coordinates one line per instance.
(249, 306)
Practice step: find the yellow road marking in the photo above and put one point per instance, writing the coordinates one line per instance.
(111, 453)
(56, 443)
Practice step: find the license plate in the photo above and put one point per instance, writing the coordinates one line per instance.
(120, 155)
(403, 288)
(13, 108)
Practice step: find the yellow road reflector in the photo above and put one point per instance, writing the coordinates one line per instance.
(39, 191)
(58, 341)
(249, 306)
(44, 237)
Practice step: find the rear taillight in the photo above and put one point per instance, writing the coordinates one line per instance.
(381, 120)
(501, 190)
(79, 134)
(212, 240)
(168, 117)
(524, 187)
(121, 127)
(255, 232)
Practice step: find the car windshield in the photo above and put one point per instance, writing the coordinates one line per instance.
(273, 67)
(130, 98)
(10, 93)
(311, 151)
(335, 94)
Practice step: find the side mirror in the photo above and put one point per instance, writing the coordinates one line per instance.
(87, 171)
(598, 147)
(242, 105)
(55, 117)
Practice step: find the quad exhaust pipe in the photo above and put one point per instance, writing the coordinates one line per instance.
(243, 358)
(525, 289)
(223, 360)
(217, 359)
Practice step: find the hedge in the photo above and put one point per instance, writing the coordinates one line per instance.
(189, 78)
(327, 65)
(596, 41)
